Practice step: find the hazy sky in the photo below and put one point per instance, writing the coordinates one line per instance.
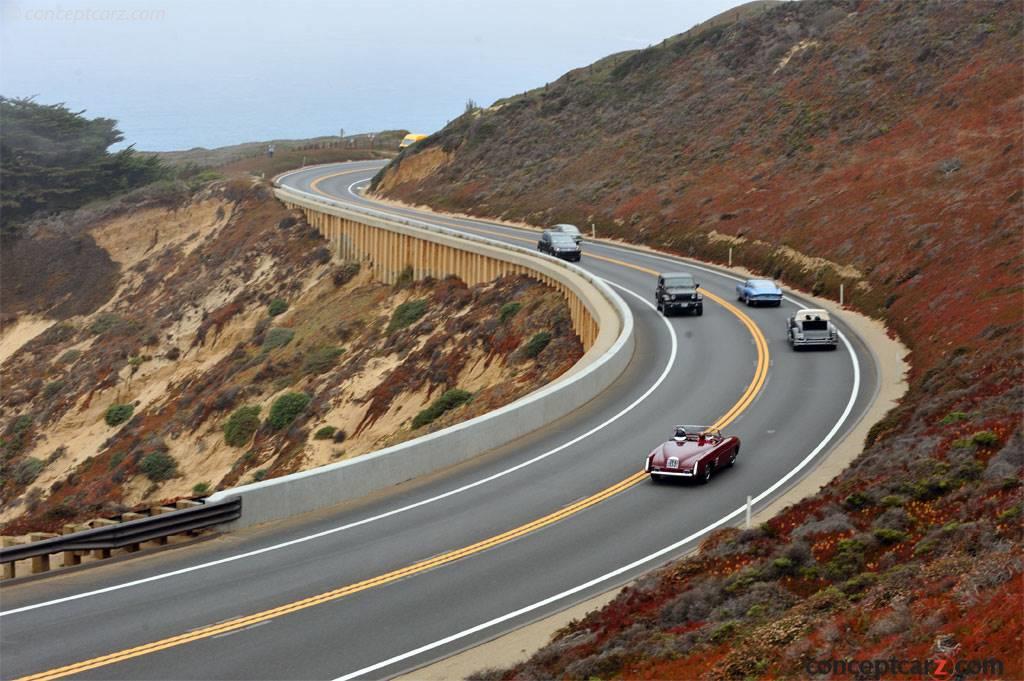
(183, 73)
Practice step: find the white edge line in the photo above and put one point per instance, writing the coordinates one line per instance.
(636, 563)
(299, 540)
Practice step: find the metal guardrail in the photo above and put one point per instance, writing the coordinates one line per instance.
(129, 533)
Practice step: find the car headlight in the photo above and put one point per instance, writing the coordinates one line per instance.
(700, 297)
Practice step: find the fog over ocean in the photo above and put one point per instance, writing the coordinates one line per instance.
(178, 74)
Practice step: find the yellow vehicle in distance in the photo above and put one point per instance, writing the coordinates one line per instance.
(410, 140)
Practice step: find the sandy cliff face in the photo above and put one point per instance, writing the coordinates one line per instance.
(220, 304)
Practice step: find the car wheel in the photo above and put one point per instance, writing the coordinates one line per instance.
(655, 478)
(708, 470)
(732, 456)
(700, 311)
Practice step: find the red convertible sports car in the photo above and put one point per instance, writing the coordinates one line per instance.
(694, 452)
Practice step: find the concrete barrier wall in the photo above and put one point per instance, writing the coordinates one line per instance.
(391, 244)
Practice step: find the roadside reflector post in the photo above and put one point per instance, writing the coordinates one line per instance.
(747, 525)
(730, 256)
(841, 296)
(593, 231)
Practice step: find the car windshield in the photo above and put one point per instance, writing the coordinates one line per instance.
(562, 240)
(679, 282)
(568, 229)
(762, 283)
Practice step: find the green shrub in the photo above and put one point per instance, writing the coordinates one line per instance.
(259, 475)
(69, 356)
(119, 413)
(277, 338)
(109, 323)
(345, 273)
(405, 278)
(159, 466)
(276, 307)
(891, 500)
(953, 417)
(782, 564)
(28, 470)
(322, 359)
(848, 561)
(857, 501)
(325, 433)
(241, 425)
(200, 488)
(985, 438)
(724, 631)
(52, 388)
(1010, 513)
(286, 408)
(446, 402)
(536, 345)
(508, 311)
(406, 313)
(888, 536)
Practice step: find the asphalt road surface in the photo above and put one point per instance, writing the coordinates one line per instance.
(174, 614)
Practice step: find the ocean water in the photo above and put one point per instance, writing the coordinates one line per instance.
(185, 74)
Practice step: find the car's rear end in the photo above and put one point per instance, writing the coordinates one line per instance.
(765, 295)
(812, 330)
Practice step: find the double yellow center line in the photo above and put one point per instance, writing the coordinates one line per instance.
(748, 396)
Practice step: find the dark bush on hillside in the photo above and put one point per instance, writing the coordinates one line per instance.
(345, 273)
(277, 338)
(69, 356)
(446, 402)
(276, 307)
(112, 324)
(286, 408)
(159, 466)
(324, 433)
(287, 223)
(241, 425)
(118, 413)
(339, 436)
(405, 278)
(406, 313)
(28, 470)
(52, 388)
(536, 345)
(508, 311)
(320, 360)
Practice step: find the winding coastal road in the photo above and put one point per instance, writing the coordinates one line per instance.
(383, 585)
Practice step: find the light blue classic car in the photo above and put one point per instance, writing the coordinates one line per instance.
(759, 292)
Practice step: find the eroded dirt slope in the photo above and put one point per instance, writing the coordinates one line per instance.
(158, 379)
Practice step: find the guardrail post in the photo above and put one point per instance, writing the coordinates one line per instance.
(101, 554)
(730, 256)
(160, 510)
(747, 523)
(8, 570)
(40, 563)
(841, 296)
(72, 557)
